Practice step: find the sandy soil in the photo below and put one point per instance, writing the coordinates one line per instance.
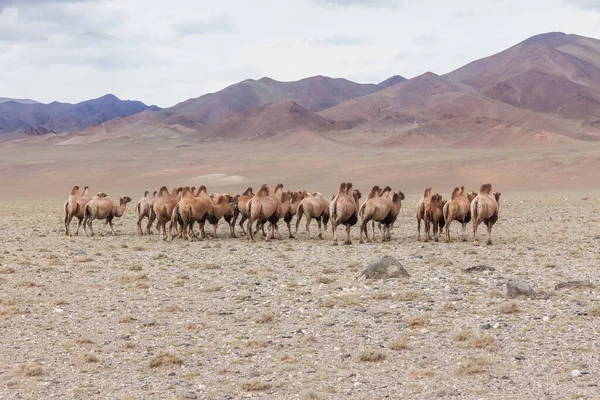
(131, 317)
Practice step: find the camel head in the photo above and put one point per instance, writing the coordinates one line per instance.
(101, 195)
(398, 196)
(125, 199)
(471, 196)
(74, 190)
(497, 196)
(357, 195)
(437, 200)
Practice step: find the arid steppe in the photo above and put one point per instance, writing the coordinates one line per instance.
(131, 317)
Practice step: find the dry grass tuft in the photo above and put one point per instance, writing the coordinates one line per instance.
(421, 373)
(371, 356)
(211, 289)
(27, 284)
(7, 270)
(398, 344)
(381, 296)
(509, 307)
(471, 366)
(164, 359)
(264, 318)
(325, 280)
(88, 358)
(171, 309)
(408, 296)
(594, 311)
(10, 310)
(31, 370)
(125, 319)
(255, 385)
(84, 341)
(417, 322)
(485, 342)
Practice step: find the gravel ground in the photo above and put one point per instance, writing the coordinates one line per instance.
(131, 317)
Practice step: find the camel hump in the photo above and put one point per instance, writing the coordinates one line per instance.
(163, 190)
(247, 192)
(186, 192)
(374, 191)
(342, 187)
(387, 189)
(74, 190)
(462, 190)
(485, 188)
(146, 194)
(278, 187)
(263, 191)
(455, 192)
(427, 192)
(349, 188)
(201, 189)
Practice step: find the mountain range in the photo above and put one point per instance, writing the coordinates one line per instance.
(543, 91)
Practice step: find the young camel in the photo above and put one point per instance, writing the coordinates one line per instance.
(397, 198)
(344, 210)
(317, 207)
(264, 206)
(102, 207)
(144, 209)
(421, 211)
(458, 209)
(74, 208)
(377, 208)
(162, 209)
(434, 215)
(484, 208)
(189, 210)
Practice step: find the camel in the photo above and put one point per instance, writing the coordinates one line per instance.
(484, 208)
(144, 209)
(421, 211)
(240, 208)
(434, 215)
(222, 208)
(101, 207)
(74, 208)
(343, 210)
(458, 209)
(313, 206)
(397, 198)
(163, 207)
(264, 206)
(295, 199)
(190, 209)
(377, 208)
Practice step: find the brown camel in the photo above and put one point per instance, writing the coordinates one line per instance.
(313, 206)
(397, 198)
(101, 207)
(144, 209)
(74, 208)
(421, 211)
(344, 210)
(240, 208)
(264, 206)
(484, 208)
(434, 216)
(163, 207)
(377, 208)
(191, 209)
(294, 200)
(458, 209)
(222, 206)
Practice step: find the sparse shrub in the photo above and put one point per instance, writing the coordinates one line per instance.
(255, 385)
(31, 370)
(371, 356)
(594, 311)
(471, 366)
(263, 318)
(88, 358)
(398, 344)
(417, 322)
(325, 280)
(381, 296)
(509, 307)
(164, 359)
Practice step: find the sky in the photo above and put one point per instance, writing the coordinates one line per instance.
(164, 52)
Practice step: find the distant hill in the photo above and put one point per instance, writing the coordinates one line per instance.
(63, 117)
(22, 101)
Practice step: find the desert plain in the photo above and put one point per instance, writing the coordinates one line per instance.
(130, 317)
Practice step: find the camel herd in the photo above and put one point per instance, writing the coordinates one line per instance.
(183, 207)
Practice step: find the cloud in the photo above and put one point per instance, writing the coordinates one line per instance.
(427, 40)
(359, 3)
(216, 24)
(338, 40)
(27, 3)
(592, 5)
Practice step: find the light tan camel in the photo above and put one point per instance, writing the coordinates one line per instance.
(163, 208)
(240, 208)
(264, 206)
(434, 216)
(144, 209)
(191, 209)
(313, 206)
(292, 208)
(343, 210)
(458, 209)
(377, 208)
(101, 207)
(74, 208)
(484, 208)
(421, 211)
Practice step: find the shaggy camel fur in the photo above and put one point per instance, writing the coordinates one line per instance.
(163, 207)
(144, 209)
(264, 206)
(458, 209)
(484, 208)
(240, 208)
(377, 208)
(344, 210)
(421, 211)
(434, 216)
(313, 206)
(189, 210)
(101, 207)
(74, 208)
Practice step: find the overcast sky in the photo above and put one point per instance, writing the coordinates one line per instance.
(163, 52)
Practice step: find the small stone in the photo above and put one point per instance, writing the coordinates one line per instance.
(575, 373)
(172, 374)
(496, 325)
(191, 395)
(545, 318)
(81, 253)
(58, 310)
(520, 358)
(518, 288)
(384, 268)
(486, 326)
(419, 256)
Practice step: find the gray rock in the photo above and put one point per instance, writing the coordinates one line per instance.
(575, 285)
(518, 288)
(81, 253)
(486, 326)
(384, 268)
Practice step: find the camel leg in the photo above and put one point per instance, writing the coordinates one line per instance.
(419, 229)
(89, 222)
(464, 230)
(334, 225)
(426, 228)
(447, 230)
(151, 219)
(111, 227)
(308, 218)
(78, 226)
(489, 228)
(319, 224)
(139, 225)
(363, 228)
(348, 240)
(436, 231)
(232, 229)
(475, 226)
(68, 224)
(244, 218)
(249, 234)
(215, 226)
(289, 226)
